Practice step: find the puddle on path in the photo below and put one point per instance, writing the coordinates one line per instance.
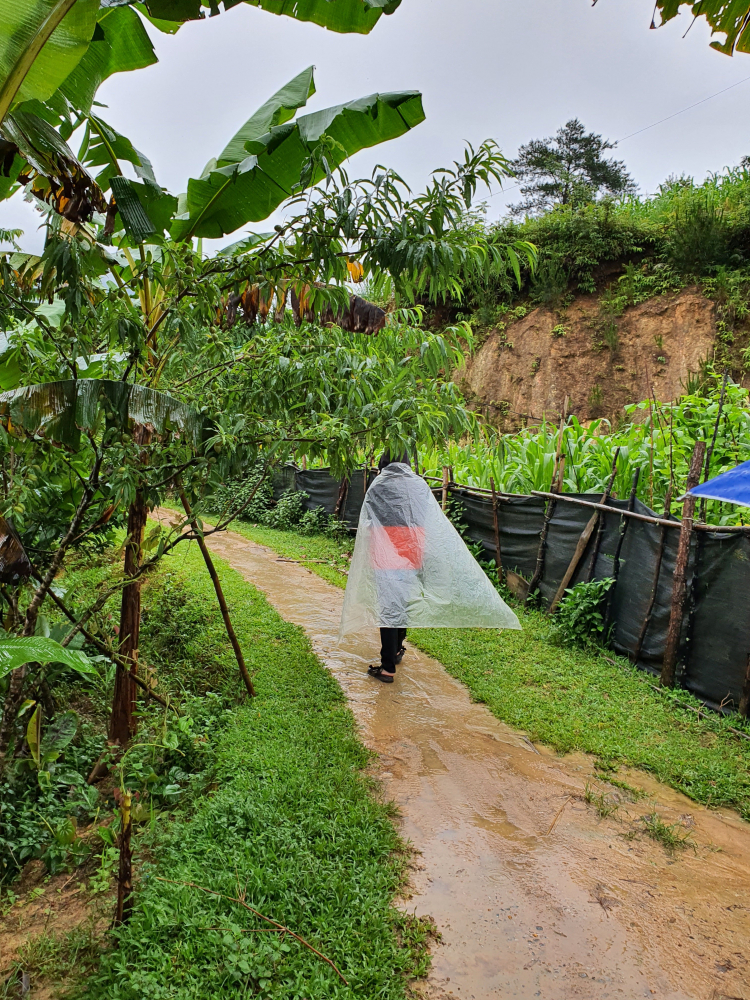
(578, 912)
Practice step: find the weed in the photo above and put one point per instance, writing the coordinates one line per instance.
(609, 334)
(596, 397)
(579, 617)
(672, 836)
(558, 330)
(604, 804)
(634, 793)
(535, 365)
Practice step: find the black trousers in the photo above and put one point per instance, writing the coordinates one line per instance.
(391, 641)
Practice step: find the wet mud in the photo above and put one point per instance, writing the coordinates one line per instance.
(534, 893)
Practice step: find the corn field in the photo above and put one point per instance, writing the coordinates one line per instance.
(658, 438)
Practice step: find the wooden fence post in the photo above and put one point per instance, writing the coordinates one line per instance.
(679, 585)
(498, 554)
(655, 584)
(446, 480)
(583, 542)
(539, 570)
(745, 699)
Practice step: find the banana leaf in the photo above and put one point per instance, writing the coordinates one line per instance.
(358, 16)
(61, 411)
(104, 146)
(230, 196)
(32, 151)
(41, 43)
(120, 44)
(276, 111)
(728, 17)
(145, 209)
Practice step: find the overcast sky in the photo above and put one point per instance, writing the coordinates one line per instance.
(487, 69)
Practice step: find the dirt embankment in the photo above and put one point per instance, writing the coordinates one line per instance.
(601, 362)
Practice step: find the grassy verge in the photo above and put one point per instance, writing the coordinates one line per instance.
(571, 699)
(264, 801)
(288, 823)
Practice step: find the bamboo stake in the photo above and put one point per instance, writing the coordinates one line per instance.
(446, 480)
(710, 451)
(125, 871)
(556, 466)
(583, 540)
(623, 528)
(680, 572)
(498, 555)
(655, 584)
(220, 597)
(561, 474)
(601, 522)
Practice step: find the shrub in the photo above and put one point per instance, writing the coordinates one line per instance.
(318, 522)
(232, 495)
(314, 522)
(288, 512)
(579, 616)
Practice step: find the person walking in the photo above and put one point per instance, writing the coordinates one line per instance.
(411, 569)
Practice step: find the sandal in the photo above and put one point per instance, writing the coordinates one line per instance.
(400, 654)
(380, 674)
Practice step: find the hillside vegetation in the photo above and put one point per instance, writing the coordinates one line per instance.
(629, 299)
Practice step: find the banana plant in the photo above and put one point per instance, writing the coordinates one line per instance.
(54, 55)
(74, 45)
(258, 169)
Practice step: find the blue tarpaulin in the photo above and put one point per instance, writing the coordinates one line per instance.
(729, 487)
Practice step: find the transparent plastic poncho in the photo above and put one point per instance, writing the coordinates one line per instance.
(410, 567)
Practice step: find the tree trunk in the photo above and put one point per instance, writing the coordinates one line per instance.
(122, 722)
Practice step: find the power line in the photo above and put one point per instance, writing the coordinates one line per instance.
(652, 125)
(690, 108)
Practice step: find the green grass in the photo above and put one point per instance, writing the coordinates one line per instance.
(288, 821)
(672, 836)
(572, 699)
(322, 555)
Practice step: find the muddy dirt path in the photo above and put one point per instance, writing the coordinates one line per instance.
(534, 894)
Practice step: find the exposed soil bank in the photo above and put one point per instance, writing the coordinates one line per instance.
(533, 893)
(525, 371)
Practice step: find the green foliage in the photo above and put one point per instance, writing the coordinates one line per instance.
(661, 434)
(579, 617)
(603, 802)
(234, 495)
(724, 18)
(318, 522)
(672, 836)
(568, 169)
(288, 511)
(686, 232)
